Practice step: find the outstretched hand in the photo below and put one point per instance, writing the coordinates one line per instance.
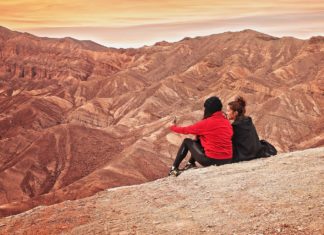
(174, 120)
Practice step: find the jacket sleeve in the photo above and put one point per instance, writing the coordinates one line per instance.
(195, 129)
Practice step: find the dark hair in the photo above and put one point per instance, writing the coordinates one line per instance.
(212, 104)
(238, 105)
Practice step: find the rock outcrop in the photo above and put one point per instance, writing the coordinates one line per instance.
(278, 195)
(77, 117)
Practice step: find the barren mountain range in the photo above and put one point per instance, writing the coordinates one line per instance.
(77, 117)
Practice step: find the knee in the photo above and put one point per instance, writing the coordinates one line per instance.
(187, 140)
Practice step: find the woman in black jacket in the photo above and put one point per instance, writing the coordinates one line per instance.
(246, 143)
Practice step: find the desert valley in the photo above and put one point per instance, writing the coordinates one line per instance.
(78, 118)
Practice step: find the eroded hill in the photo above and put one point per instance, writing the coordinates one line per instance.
(77, 117)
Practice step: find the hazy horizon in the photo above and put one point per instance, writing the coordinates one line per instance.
(126, 23)
(149, 44)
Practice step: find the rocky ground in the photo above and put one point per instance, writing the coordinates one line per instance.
(279, 195)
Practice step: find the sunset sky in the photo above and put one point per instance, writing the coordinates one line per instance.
(134, 23)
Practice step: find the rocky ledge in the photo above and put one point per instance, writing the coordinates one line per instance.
(278, 195)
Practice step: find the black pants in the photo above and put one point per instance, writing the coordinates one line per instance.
(197, 154)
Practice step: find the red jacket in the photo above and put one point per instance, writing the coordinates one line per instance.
(215, 135)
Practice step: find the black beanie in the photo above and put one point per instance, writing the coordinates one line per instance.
(213, 104)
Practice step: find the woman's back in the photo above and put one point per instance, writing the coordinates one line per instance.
(215, 135)
(246, 143)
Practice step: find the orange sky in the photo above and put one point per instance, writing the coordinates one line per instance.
(134, 23)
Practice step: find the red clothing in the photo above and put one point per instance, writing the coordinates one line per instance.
(215, 135)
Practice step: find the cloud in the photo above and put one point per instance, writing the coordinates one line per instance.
(300, 25)
(113, 13)
(130, 23)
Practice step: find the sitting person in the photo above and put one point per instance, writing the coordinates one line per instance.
(246, 143)
(213, 145)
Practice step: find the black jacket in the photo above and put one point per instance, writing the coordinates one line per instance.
(246, 143)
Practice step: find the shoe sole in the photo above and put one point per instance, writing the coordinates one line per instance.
(175, 174)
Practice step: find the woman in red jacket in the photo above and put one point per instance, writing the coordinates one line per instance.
(213, 145)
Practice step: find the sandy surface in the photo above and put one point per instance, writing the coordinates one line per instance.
(279, 195)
